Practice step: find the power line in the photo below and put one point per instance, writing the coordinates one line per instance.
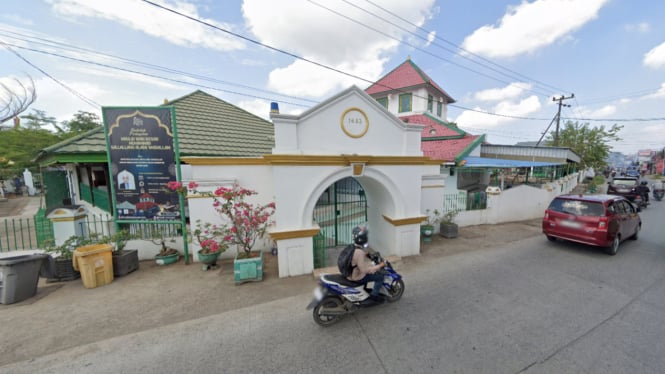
(157, 76)
(555, 89)
(52, 43)
(71, 90)
(281, 51)
(415, 46)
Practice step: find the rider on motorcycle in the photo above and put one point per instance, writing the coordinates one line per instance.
(657, 189)
(363, 269)
(643, 190)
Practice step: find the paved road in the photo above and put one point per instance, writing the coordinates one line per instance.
(530, 306)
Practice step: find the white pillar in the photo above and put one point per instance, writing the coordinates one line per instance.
(68, 222)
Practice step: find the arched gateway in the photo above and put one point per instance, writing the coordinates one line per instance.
(348, 135)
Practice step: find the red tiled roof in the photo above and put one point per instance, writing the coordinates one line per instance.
(404, 76)
(433, 127)
(447, 149)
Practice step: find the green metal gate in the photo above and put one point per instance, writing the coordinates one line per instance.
(339, 209)
(56, 187)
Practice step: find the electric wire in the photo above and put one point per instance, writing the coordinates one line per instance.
(157, 76)
(88, 101)
(508, 72)
(52, 43)
(416, 47)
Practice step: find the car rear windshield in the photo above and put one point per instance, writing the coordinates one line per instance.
(577, 207)
(625, 182)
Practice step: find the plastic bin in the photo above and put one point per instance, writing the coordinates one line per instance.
(19, 276)
(95, 264)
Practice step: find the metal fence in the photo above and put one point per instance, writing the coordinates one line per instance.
(462, 201)
(24, 233)
(34, 233)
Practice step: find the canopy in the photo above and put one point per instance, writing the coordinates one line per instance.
(473, 161)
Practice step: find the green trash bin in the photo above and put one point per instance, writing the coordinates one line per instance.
(19, 276)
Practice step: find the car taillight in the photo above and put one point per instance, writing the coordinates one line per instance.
(602, 223)
(547, 214)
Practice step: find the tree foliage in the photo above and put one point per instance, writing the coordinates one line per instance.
(19, 146)
(39, 120)
(591, 143)
(82, 122)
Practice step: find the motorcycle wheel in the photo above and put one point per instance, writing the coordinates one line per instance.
(396, 291)
(328, 303)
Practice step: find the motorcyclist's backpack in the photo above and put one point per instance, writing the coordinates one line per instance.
(344, 261)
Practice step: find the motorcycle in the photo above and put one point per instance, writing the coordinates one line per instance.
(640, 202)
(337, 296)
(658, 194)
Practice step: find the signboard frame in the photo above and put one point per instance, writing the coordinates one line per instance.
(140, 166)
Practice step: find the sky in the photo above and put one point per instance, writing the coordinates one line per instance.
(503, 61)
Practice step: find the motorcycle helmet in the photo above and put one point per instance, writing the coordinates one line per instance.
(644, 183)
(360, 236)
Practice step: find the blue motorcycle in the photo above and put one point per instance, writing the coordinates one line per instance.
(337, 296)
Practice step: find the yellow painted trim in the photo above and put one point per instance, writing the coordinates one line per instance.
(66, 219)
(312, 160)
(198, 196)
(345, 160)
(224, 160)
(282, 235)
(405, 221)
(343, 124)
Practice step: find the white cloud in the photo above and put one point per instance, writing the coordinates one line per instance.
(532, 25)
(497, 94)
(15, 18)
(258, 107)
(430, 38)
(641, 27)
(314, 33)
(477, 120)
(660, 93)
(60, 103)
(154, 21)
(605, 111)
(655, 58)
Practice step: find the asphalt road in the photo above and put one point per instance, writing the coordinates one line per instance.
(530, 306)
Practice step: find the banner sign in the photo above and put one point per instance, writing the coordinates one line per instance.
(142, 161)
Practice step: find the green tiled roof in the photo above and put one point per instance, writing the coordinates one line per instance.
(207, 126)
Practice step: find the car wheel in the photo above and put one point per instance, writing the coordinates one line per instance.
(637, 232)
(551, 238)
(612, 249)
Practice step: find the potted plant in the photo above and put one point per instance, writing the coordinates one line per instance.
(159, 235)
(427, 229)
(210, 238)
(246, 223)
(60, 266)
(448, 228)
(125, 260)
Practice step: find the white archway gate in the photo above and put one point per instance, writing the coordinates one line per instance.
(348, 135)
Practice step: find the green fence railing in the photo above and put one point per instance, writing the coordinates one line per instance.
(25, 233)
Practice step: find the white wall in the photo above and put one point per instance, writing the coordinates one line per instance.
(518, 203)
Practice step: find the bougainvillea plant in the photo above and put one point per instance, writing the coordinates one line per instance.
(244, 223)
(210, 237)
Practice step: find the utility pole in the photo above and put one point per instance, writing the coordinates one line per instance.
(558, 115)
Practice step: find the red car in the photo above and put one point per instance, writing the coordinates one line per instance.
(599, 220)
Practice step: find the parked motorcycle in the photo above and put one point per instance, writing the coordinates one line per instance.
(337, 296)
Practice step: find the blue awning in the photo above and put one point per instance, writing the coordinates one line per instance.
(482, 162)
